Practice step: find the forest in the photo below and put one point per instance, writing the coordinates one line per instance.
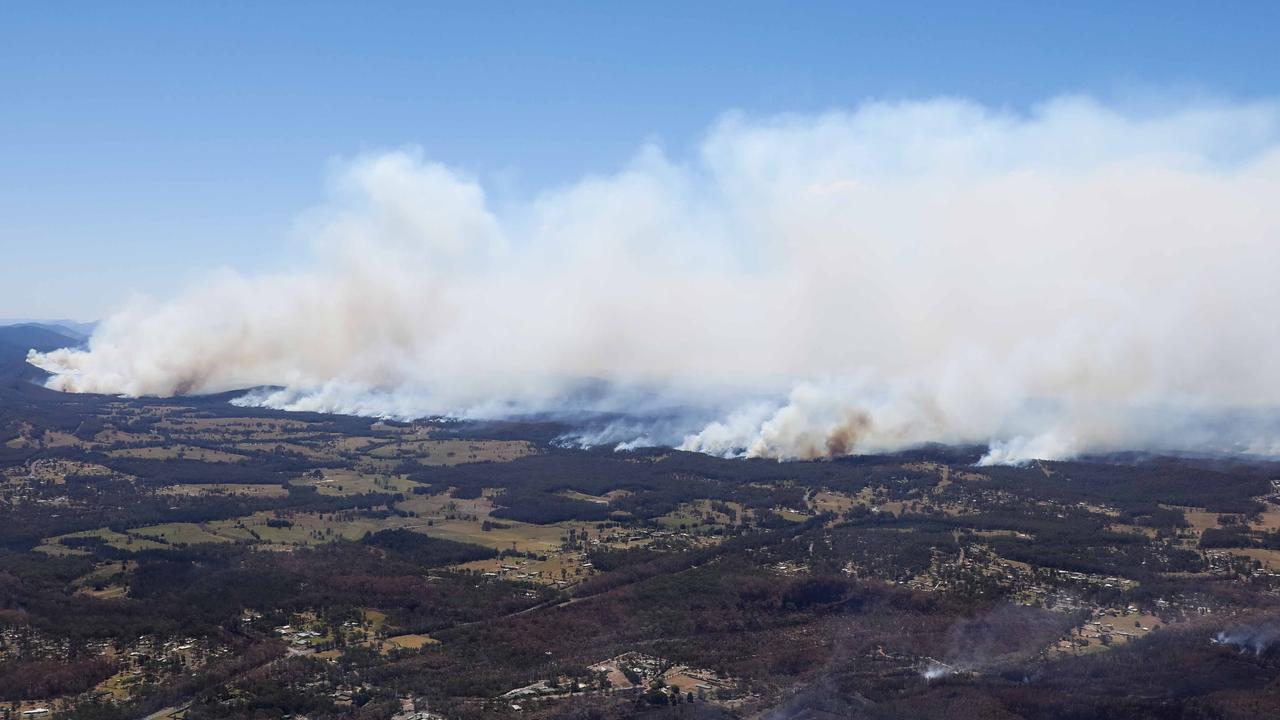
(199, 560)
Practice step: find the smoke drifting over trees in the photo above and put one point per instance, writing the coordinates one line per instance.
(1078, 278)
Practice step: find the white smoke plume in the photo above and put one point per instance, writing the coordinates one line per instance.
(1257, 639)
(1072, 279)
(936, 671)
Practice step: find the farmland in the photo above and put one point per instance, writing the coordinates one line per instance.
(198, 559)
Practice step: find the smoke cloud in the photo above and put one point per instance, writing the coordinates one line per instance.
(1072, 279)
(1257, 639)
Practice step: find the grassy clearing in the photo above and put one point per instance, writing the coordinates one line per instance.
(439, 516)
(106, 580)
(304, 528)
(112, 435)
(57, 438)
(867, 496)
(115, 539)
(55, 549)
(454, 452)
(1106, 631)
(350, 482)
(565, 567)
(352, 444)
(699, 514)
(522, 537)
(256, 425)
(575, 495)
(375, 619)
(408, 642)
(1270, 520)
(826, 501)
(106, 592)
(1270, 559)
(792, 515)
(224, 489)
(1132, 529)
(1200, 519)
(287, 448)
(178, 533)
(178, 452)
(999, 533)
(120, 686)
(463, 520)
(56, 471)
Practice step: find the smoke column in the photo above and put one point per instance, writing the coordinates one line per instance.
(1075, 278)
(1257, 639)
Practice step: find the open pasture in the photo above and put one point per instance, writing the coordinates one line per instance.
(177, 452)
(454, 452)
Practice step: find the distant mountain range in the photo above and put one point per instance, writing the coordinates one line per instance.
(78, 330)
(37, 336)
(17, 339)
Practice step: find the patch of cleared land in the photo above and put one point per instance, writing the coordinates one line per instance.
(826, 501)
(260, 490)
(178, 452)
(1270, 559)
(454, 452)
(350, 482)
(285, 448)
(702, 514)
(407, 642)
(115, 539)
(177, 533)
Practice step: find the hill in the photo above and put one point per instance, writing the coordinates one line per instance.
(17, 340)
(73, 328)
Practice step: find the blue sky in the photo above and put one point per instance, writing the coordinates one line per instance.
(144, 143)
